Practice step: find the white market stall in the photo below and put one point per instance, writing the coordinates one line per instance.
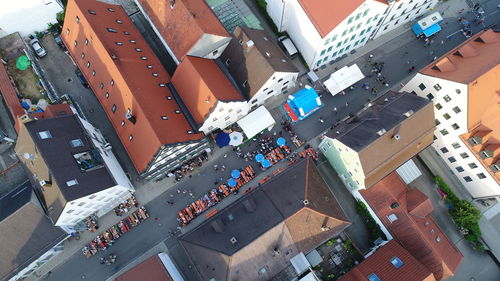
(256, 121)
(343, 78)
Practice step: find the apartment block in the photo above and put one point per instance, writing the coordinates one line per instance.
(463, 86)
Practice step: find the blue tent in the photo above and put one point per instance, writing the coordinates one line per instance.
(266, 163)
(303, 103)
(231, 182)
(222, 139)
(433, 29)
(259, 157)
(235, 174)
(281, 141)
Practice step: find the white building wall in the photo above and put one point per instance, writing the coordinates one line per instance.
(279, 83)
(27, 16)
(461, 161)
(223, 115)
(360, 197)
(209, 46)
(276, 10)
(401, 12)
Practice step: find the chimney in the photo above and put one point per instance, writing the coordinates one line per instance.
(276, 251)
(25, 118)
(130, 117)
(45, 183)
(249, 205)
(396, 137)
(217, 225)
(172, 4)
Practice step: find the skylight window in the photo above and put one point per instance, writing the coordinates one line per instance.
(92, 12)
(111, 30)
(72, 182)
(392, 217)
(44, 135)
(396, 262)
(373, 277)
(76, 143)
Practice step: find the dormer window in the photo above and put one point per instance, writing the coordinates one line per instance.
(109, 29)
(486, 154)
(92, 12)
(475, 140)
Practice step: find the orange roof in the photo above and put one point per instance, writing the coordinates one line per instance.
(327, 14)
(420, 235)
(53, 110)
(379, 263)
(128, 77)
(10, 96)
(201, 84)
(481, 50)
(184, 24)
(151, 269)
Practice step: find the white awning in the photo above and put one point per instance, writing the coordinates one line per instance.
(408, 171)
(300, 263)
(256, 121)
(343, 78)
(170, 267)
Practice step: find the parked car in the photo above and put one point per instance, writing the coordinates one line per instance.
(288, 47)
(57, 38)
(80, 76)
(37, 47)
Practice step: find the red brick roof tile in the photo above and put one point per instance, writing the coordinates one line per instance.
(10, 96)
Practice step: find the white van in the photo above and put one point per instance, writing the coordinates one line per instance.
(287, 45)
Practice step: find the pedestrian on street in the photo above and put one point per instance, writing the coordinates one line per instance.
(346, 104)
(321, 120)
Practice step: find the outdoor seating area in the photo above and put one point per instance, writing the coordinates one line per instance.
(274, 156)
(109, 237)
(91, 222)
(215, 195)
(125, 206)
(189, 167)
(287, 126)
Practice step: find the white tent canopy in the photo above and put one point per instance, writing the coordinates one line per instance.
(256, 121)
(343, 78)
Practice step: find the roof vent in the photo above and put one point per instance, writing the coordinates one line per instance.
(306, 202)
(381, 132)
(268, 54)
(114, 57)
(29, 156)
(396, 137)
(233, 240)
(172, 4)
(218, 226)
(249, 205)
(250, 43)
(409, 113)
(276, 251)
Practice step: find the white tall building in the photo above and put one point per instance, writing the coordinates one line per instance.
(400, 12)
(73, 168)
(325, 30)
(27, 16)
(464, 86)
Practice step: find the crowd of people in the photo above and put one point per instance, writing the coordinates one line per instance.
(188, 167)
(125, 206)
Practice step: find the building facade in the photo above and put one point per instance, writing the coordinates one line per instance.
(379, 139)
(400, 12)
(258, 66)
(186, 27)
(132, 87)
(73, 169)
(323, 36)
(466, 100)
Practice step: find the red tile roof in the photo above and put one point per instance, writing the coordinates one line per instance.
(184, 24)
(421, 236)
(151, 269)
(10, 96)
(53, 110)
(128, 76)
(201, 84)
(379, 263)
(327, 14)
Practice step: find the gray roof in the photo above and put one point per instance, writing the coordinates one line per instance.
(386, 112)
(263, 217)
(256, 63)
(58, 154)
(25, 230)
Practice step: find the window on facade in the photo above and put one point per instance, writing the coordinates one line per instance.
(444, 150)
(456, 145)
(457, 109)
(358, 26)
(438, 106)
(464, 155)
(322, 52)
(444, 132)
(455, 126)
(344, 33)
(460, 169)
(351, 29)
(446, 116)
(113, 108)
(481, 176)
(350, 20)
(358, 16)
(458, 91)
(452, 159)
(430, 96)
(437, 122)
(437, 87)
(422, 86)
(366, 12)
(467, 179)
(447, 98)
(227, 118)
(472, 165)
(352, 37)
(338, 44)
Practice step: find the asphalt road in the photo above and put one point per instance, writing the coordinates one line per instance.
(394, 53)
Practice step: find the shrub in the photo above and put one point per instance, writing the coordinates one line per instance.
(464, 214)
(373, 228)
